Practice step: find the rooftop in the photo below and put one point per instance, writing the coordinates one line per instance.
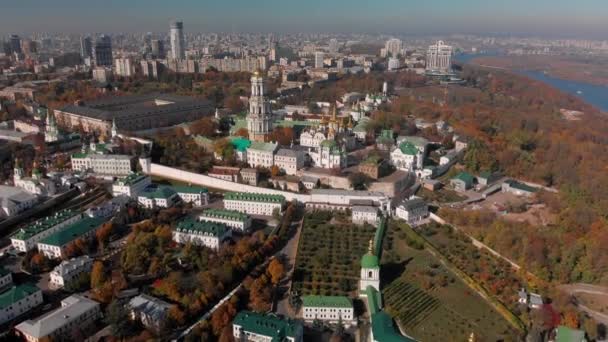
(15, 294)
(128, 107)
(44, 224)
(158, 192)
(465, 177)
(253, 197)
(132, 179)
(72, 309)
(521, 186)
(73, 231)
(565, 334)
(327, 301)
(151, 306)
(189, 189)
(267, 325)
(70, 265)
(224, 214)
(191, 226)
(407, 147)
(384, 330)
(263, 146)
(240, 144)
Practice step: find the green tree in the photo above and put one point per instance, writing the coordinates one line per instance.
(117, 317)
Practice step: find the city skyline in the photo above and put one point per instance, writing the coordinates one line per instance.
(543, 17)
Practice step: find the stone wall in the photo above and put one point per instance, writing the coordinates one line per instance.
(204, 180)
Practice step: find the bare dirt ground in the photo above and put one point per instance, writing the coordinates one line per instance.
(592, 299)
(536, 214)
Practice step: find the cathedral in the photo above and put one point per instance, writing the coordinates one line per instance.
(51, 132)
(329, 142)
(259, 119)
(36, 184)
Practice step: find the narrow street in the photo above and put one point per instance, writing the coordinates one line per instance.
(290, 252)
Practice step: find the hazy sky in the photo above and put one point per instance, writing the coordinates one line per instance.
(545, 17)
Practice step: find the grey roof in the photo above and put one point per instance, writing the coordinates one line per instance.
(413, 203)
(71, 309)
(127, 107)
(13, 194)
(150, 306)
(284, 152)
(365, 209)
(536, 299)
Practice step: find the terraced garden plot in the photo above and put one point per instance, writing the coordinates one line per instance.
(329, 254)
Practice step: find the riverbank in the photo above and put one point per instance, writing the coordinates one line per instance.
(593, 94)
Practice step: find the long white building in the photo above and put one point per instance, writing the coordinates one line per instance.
(250, 326)
(104, 164)
(233, 219)
(55, 244)
(76, 312)
(331, 309)
(208, 234)
(261, 154)
(18, 300)
(253, 204)
(27, 237)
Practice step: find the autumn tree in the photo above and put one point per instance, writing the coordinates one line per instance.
(224, 149)
(206, 126)
(276, 271)
(98, 274)
(103, 234)
(242, 132)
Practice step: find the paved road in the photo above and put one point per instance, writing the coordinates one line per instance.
(290, 252)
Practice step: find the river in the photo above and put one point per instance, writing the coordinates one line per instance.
(595, 95)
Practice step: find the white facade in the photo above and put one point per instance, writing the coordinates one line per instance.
(131, 185)
(69, 270)
(332, 315)
(413, 211)
(150, 311)
(26, 238)
(289, 161)
(6, 280)
(404, 160)
(364, 214)
(261, 154)
(76, 312)
(329, 156)
(234, 220)
(111, 165)
(369, 277)
(209, 238)
(392, 48)
(439, 58)
(394, 64)
(124, 67)
(20, 300)
(254, 204)
(312, 138)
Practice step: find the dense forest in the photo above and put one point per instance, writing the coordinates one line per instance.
(516, 126)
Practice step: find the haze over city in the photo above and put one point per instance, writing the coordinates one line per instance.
(554, 18)
(295, 171)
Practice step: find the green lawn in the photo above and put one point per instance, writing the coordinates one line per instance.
(329, 254)
(429, 301)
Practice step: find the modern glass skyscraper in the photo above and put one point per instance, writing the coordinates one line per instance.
(86, 47)
(103, 51)
(178, 43)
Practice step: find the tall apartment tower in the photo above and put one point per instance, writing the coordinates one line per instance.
(86, 47)
(393, 48)
(319, 60)
(102, 51)
(259, 119)
(439, 58)
(178, 44)
(15, 43)
(158, 48)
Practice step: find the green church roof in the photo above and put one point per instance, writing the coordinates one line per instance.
(327, 301)
(407, 147)
(15, 294)
(369, 260)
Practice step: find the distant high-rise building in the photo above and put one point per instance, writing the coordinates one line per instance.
(393, 64)
(178, 44)
(29, 47)
(333, 46)
(86, 47)
(124, 67)
(15, 43)
(439, 58)
(319, 59)
(393, 48)
(158, 48)
(102, 51)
